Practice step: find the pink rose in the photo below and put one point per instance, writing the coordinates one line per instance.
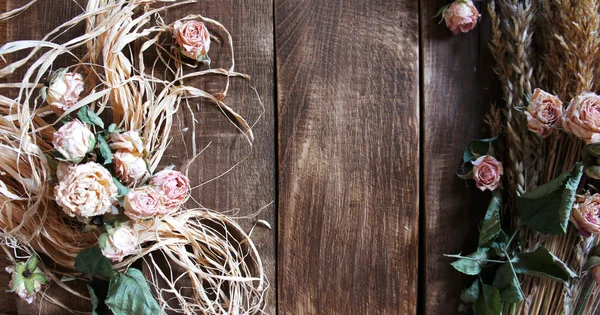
(486, 172)
(130, 167)
(582, 117)
(193, 38)
(87, 190)
(123, 241)
(127, 141)
(73, 141)
(585, 214)
(461, 16)
(64, 91)
(543, 113)
(144, 203)
(174, 185)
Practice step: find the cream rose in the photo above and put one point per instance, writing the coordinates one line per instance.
(144, 203)
(487, 172)
(586, 214)
(193, 38)
(174, 185)
(582, 117)
(73, 141)
(544, 113)
(121, 242)
(86, 191)
(64, 91)
(127, 141)
(130, 167)
(461, 16)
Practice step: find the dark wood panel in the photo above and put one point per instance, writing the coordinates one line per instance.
(458, 87)
(250, 186)
(348, 120)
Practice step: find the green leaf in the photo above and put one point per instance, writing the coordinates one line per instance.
(507, 282)
(593, 261)
(89, 117)
(32, 263)
(547, 208)
(129, 294)
(488, 302)
(470, 266)
(91, 261)
(94, 299)
(29, 285)
(51, 162)
(112, 128)
(477, 148)
(470, 294)
(105, 150)
(542, 263)
(122, 190)
(40, 278)
(491, 222)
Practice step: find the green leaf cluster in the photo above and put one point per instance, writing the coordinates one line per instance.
(127, 294)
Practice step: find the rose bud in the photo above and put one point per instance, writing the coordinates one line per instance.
(582, 117)
(461, 16)
(26, 279)
(544, 113)
(144, 203)
(585, 214)
(127, 141)
(487, 172)
(118, 243)
(73, 141)
(193, 39)
(174, 185)
(64, 90)
(87, 190)
(130, 167)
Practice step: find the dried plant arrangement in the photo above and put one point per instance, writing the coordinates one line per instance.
(82, 189)
(538, 250)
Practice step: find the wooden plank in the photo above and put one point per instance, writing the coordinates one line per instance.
(348, 121)
(458, 86)
(251, 185)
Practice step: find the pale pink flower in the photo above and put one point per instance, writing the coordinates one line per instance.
(86, 191)
(130, 167)
(144, 203)
(174, 185)
(487, 172)
(64, 91)
(461, 16)
(193, 38)
(73, 141)
(127, 141)
(123, 241)
(582, 117)
(586, 214)
(544, 113)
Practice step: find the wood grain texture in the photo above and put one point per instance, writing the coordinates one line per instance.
(348, 120)
(458, 86)
(250, 186)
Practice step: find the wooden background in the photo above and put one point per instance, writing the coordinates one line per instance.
(368, 106)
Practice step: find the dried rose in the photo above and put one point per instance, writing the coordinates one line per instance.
(73, 141)
(461, 16)
(127, 141)
(130, 167)
(174, 185)
(487, 172)
(64, 90)
(118, 243)
(144, 203)
(193, 38)
(543, 113)
(26, 279)
(62, 169)
(87, 190)
(586, 214)
(582, 117)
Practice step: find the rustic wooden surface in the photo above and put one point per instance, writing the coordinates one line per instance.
(458, 87)
(367, 108)
(348, 117)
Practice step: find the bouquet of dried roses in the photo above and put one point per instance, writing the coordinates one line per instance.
(537, 251)
(80, 147)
